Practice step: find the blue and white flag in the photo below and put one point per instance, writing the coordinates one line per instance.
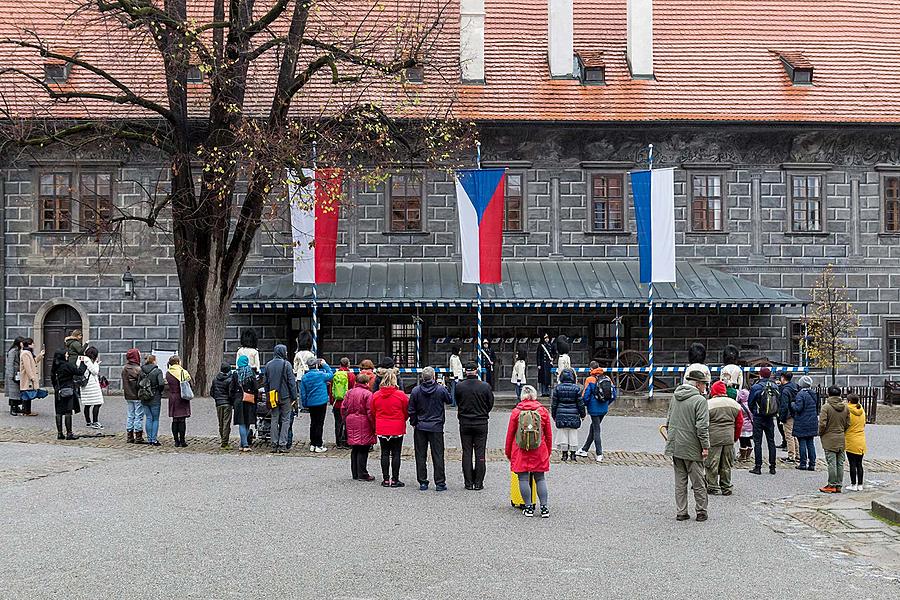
(654, 209)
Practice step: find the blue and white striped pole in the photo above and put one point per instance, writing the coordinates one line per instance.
(315, 320)
(478, 349)
(418, 322)
(650, 337)
(650, 301)
(315, 288)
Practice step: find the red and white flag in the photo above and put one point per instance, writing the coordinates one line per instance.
(314, 223)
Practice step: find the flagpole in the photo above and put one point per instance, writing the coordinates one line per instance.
(478, 287)
(650, 304)
(315, 288)
(478, 351)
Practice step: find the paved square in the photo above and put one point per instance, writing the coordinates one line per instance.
(116, 523)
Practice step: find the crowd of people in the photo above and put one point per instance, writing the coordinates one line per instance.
(369, 408)
(706, 419)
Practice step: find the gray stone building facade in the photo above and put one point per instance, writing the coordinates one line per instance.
(772, 205)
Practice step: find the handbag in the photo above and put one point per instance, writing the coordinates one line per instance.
(249, 398)
(66, 393)
(273, 399)
(187, 392)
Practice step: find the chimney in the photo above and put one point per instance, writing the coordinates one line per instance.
(640, 38)
(560, 49)
(471, 40)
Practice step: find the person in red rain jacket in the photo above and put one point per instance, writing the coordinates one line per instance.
(531, 465)
(391, 408)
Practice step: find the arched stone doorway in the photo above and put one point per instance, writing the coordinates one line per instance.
(52, 323)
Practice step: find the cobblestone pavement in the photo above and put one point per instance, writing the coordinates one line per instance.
(207, 445)
(840, 528)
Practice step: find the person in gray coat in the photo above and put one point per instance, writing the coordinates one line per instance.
(280, 378)
(11, 375)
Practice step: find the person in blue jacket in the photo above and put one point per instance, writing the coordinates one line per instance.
(805, 408)
(314, 397)
(599, 393)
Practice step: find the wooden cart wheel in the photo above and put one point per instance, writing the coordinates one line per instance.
(632, 382)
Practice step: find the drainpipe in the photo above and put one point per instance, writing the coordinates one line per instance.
(3, 272)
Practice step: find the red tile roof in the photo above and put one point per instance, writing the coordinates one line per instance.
(715, 60)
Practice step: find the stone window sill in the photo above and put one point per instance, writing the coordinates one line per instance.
(416, 233)
(807, 233)
(516, 233)
(889, 234)
(711, 232)
(609, 233)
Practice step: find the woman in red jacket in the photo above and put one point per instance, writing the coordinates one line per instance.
(530, 464)
(390, 406)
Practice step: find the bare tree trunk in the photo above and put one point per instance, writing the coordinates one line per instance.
(205, 318)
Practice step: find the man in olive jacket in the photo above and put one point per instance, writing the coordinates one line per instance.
(688, 439)
(833, 423)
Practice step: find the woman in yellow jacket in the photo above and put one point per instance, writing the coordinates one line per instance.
(856, 442)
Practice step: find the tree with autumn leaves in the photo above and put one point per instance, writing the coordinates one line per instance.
(831, 328)
(231, 97)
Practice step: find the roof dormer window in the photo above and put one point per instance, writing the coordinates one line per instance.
(798, 67)
(57, 70)
(56, 73)
(194, 74)
(414, 74)
(591, 68)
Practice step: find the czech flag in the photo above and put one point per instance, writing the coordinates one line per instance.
(315, 198)
(654, 209)
(479, 197)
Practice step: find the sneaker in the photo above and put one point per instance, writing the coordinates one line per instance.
(60, 436)
(756, 470)
(851, 488)
(682, 517)
(423, 487)
(790, 459)
(827, 489)
(771, 470)
(528, 511)
(386, 483)
(565, 456)
(321, 449)
(441, 487)
(397, 484)
(702, 516)
(312, 448)
(367, 477)
(70, 436)
(800, 467)
(837, 489)
(600, 458)
(478, 487)
(727, 492)
(98, 425)
(545, 512)
(811, 468)
(581, 453)
(713, 491)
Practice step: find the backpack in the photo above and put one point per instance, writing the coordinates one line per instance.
(528, 435)
(339, 384)
(597, 391)
(769, 400)
(145, 388)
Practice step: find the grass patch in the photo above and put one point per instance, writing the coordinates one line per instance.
(883, 520)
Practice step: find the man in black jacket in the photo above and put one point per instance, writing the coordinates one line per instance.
(426, 415)
(789, 391)
(474, 400)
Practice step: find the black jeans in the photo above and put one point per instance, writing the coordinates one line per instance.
(340, 429)
(317, 424)
(856, 468)
(473, 439)
(763, 425)
(422, 440)
(390, 457)
(359, 457)
(594, 435)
